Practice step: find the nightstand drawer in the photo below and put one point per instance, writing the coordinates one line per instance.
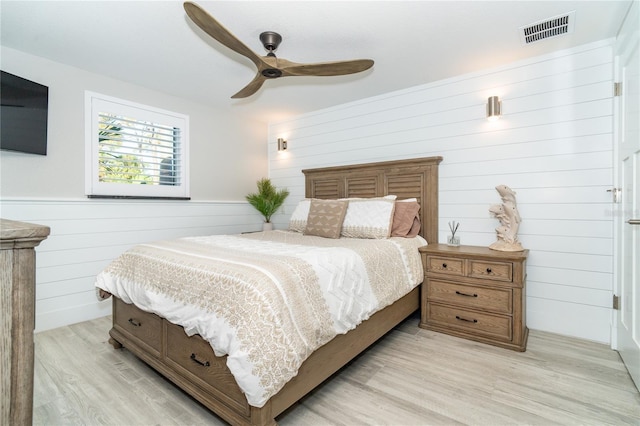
(445, 265)
(494, 326)
(470, 296)
(499, 271)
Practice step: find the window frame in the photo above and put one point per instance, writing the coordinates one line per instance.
(96, 103)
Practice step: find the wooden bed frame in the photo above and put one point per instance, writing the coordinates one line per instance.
(190, 363)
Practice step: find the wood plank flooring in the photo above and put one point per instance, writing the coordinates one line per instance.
(411, 377)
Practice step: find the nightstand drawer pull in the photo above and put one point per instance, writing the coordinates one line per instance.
(467, 320)
(134, 322)
(196, 360)
(444, 265)
(465, 294)
(488, 270)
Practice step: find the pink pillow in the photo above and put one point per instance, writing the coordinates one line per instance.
(406, 222)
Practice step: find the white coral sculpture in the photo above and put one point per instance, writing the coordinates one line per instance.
(507, 214)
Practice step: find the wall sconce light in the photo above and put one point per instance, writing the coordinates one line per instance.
(282, 144)
(493, 108)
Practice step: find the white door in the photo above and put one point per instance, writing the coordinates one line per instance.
(628, 225)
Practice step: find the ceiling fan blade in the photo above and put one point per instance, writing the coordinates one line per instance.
(251, 88)
(212, 27)
(327, 68)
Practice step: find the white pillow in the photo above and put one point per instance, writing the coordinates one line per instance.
(298, 220)
(369, 217)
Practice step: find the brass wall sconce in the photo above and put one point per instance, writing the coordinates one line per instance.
(494, 108)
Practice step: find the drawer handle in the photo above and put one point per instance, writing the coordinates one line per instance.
(467, 320)
(134, 322)
(196, 360)
(488, 270)
(444, 265)
(465, 294)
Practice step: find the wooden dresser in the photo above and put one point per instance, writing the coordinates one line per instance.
(17, 318)
(475, 293)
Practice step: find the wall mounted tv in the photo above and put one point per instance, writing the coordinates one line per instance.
(23, 117)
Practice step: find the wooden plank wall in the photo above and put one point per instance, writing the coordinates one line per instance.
(553, 146)
(87, 234)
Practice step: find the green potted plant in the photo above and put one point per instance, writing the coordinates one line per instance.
(267, 200)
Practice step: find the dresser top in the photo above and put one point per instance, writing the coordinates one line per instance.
(444, 249)
(23, 234)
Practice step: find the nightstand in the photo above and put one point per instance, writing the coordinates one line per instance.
(475, 293)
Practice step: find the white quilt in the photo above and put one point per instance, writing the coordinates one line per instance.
(269, 299)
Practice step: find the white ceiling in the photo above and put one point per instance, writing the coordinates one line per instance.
(154, 44)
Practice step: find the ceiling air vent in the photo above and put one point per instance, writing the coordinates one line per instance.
(552, 27)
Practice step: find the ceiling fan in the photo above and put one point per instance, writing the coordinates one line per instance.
(269, 66)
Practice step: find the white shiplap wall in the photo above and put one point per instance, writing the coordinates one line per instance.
(553, 146)
(87, 234)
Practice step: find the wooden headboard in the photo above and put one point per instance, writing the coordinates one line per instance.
(414, 178)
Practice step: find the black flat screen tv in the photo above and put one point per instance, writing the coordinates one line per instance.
(23, 117)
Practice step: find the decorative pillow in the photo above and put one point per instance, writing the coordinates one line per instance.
(406, 222)
(415, 228)
(369, 217)
(298, 220)
(325, 218)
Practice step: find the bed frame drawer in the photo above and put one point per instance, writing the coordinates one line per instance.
(142, 327)
(193, 357)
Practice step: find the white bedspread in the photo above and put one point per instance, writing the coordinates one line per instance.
(267, 300)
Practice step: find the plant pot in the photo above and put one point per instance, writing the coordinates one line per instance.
(267, 226)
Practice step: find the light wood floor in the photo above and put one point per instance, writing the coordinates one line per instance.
(411, 377)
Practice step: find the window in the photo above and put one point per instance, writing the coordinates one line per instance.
(135, 150)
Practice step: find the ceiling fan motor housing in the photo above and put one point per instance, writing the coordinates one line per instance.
(270, 40)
